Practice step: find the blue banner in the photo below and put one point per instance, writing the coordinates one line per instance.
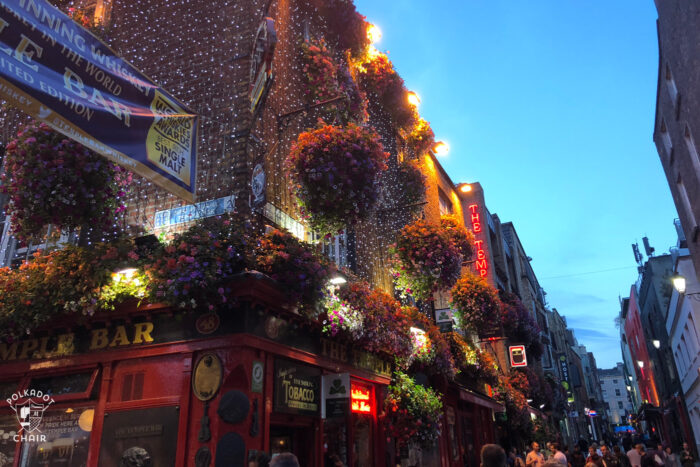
(59, 73)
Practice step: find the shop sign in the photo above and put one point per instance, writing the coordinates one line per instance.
(355, 357)
(59, 73)
(481, 264)
(297, 388)
(261, 60)
(361, 399)
(518, 357)
(67, 344)
(336, 395)
(193, 212)
(257, 185)
(257, 377)
(566, 382)
(207, 376)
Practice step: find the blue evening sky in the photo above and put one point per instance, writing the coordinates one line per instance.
(549, 104)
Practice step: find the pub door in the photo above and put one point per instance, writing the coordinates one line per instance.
(297, 437)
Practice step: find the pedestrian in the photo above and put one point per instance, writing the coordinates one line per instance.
(594, 460)
(647, 460)
(577, 457)
(609, 459)
(686, 457)
(286, 459)
(622, 458)
(635, 455)
(671, 459)
(557, 455)
(534, 458)
(492, 455)
(260, 460)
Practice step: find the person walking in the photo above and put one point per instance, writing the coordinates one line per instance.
(557, 455)
(671, 459)
(492, 455)
(534, 458)
(577, 457)
(686, 457)
(622, 459)
(635, 455)
(286, 459)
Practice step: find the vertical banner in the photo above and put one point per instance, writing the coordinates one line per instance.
(59, 73)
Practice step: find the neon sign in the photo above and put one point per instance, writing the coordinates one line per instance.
(480, 264)
(360, 399)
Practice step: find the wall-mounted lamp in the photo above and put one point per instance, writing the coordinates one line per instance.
(656, 343)
(441, 148)
(640, 364)
(413, 98)
(374, 34)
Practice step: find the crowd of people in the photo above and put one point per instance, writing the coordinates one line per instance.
(605, 455)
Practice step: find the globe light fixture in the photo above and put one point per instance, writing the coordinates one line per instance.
(413, 98)
(640, 364)
(466, 188)
(656, 343)
(441, 148)
(374, 34)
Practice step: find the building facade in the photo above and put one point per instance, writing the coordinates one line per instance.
(677, 119)
(684, 338)
(618, 403)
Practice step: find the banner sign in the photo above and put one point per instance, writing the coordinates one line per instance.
(59, 73)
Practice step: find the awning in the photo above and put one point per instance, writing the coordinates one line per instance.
(479, 399)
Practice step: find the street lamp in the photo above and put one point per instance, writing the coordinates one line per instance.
(413, 98)
(374, 34)
(441, 148)
(678, 283)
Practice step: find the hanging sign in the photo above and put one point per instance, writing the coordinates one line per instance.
(59, 73)
(336, 395)
(517, 355)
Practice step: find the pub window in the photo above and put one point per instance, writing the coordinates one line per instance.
(666, 138)
(692, 149)
(671, 85)
(96, 12)
(67, 432)
(63, 384)
(7, 388)
(8, 429)
(445, 203)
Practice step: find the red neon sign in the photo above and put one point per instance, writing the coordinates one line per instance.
(360, 399)
(480, 264)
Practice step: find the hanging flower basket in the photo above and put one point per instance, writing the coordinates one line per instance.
(477, 304)
(193, 271)
(460, 236)
(54, 180)
(335, 172)
(373, 319)
(426, 259)
(410, 184)
(436, 357)
(420, 139)
(73, 280)
(412, 413)
(326, 79)
(298, 269)
(380, 81)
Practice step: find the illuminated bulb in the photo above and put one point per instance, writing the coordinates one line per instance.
(465, 188)
(413, 99)
(374, 34)
(441, 148)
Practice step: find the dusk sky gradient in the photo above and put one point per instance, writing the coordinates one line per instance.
(549, 104)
